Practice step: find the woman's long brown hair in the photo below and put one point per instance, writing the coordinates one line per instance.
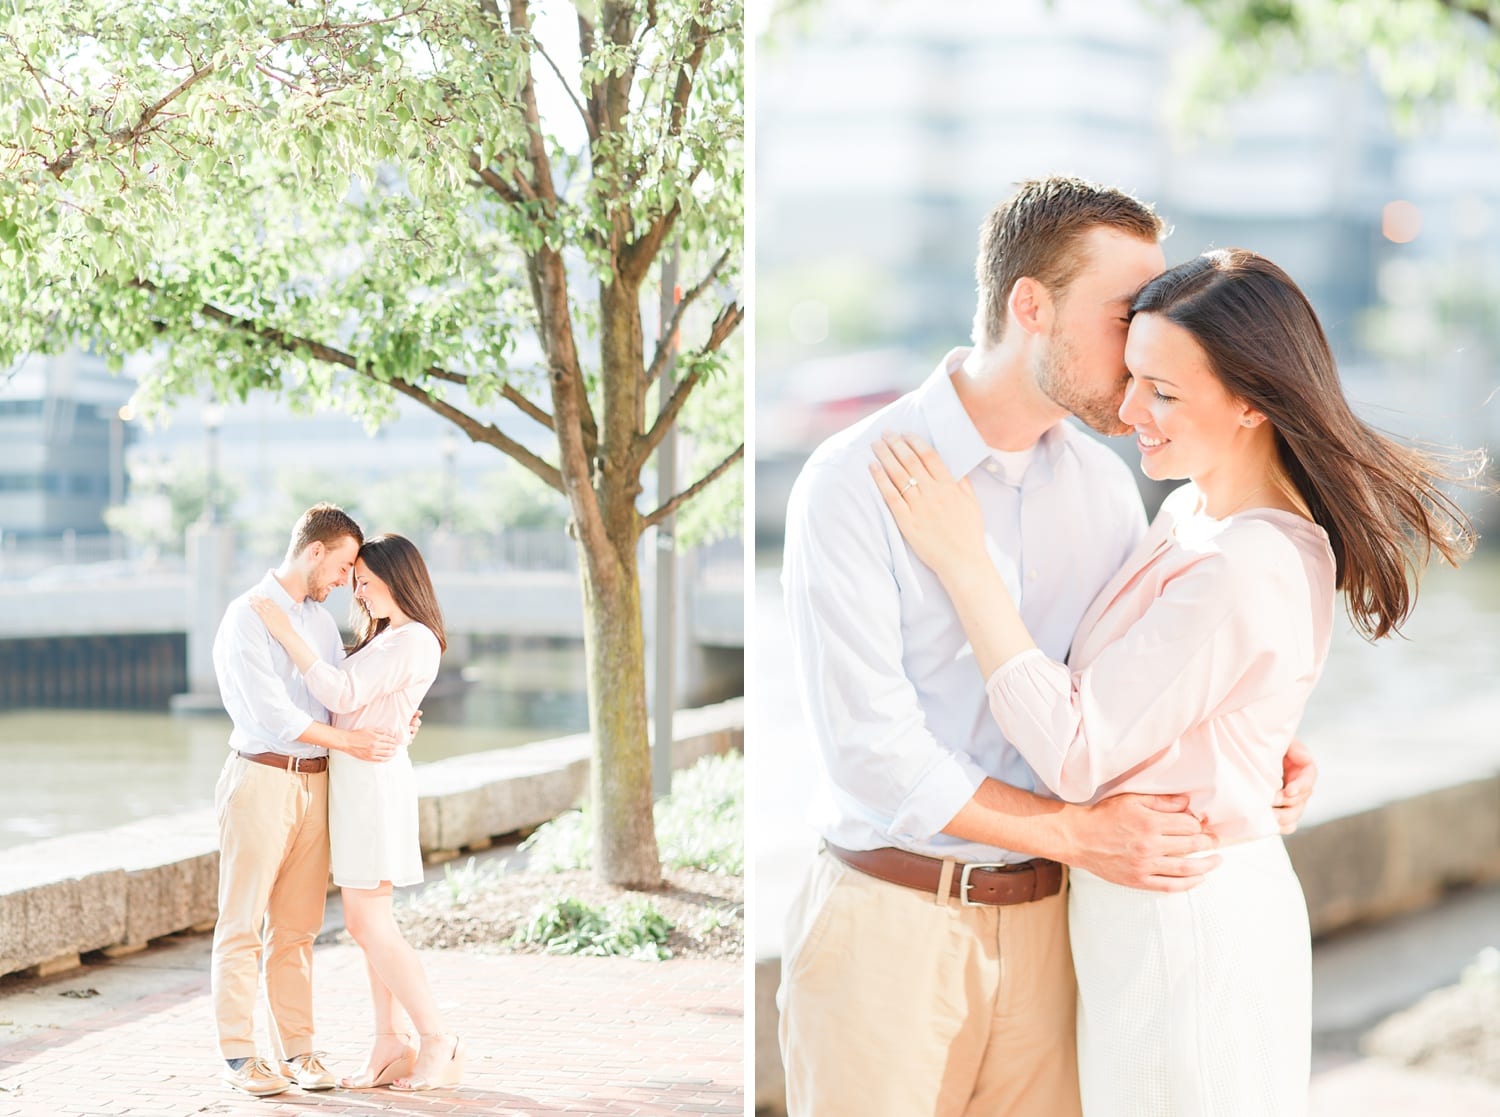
(395, 560)
(1379, 501)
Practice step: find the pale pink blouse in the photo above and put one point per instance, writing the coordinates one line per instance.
(382, 684)
(1190, 671)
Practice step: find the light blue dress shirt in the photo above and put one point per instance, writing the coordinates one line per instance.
(896, 702)
(263, 692)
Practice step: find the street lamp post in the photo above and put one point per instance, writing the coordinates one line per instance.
(664, 698)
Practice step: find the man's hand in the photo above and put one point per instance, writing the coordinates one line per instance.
(370, 744)
(1299, 774)
(1141, 841)
(416, 723)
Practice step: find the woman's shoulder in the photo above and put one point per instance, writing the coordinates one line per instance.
(414, 633)
(1270, 535)
(1269, 557)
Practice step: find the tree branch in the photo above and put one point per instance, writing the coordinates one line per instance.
(588, 121)
(520, 20)
(121, 136)
(512, 192)
(664, 345)
(724, 325)
(486, 433)
(1468, 8)
(522, 403)
(677, 110)
(537, 413)
(694, 489)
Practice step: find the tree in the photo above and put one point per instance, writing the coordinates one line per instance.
(459, 201)
(166, 497)
(1419, 50)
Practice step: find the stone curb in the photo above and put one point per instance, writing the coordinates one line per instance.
(116, 889)
(1360, 867)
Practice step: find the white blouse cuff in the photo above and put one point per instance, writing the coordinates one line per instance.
(1031, 662)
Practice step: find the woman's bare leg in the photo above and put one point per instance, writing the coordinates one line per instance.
(396, 976)
(394, 1036)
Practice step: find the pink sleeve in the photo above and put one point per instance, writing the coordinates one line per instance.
(355, 683)
(1220, 635)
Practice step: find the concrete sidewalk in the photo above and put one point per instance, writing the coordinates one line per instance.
(544, 1035)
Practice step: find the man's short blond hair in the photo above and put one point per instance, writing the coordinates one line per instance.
(326, 524)
(1038, 231)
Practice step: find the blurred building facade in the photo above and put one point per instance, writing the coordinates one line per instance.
(62, 446)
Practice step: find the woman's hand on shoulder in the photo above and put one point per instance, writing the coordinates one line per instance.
(939, 517)
(273, 615)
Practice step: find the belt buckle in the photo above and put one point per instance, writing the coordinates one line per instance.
(964, 884)
(294, 764)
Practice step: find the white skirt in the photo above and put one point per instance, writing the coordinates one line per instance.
(1195, 1004)
(372, 821)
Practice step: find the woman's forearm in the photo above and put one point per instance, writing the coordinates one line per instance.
(296, 647)
(988, 614)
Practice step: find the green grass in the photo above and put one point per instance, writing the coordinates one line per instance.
(701, 825)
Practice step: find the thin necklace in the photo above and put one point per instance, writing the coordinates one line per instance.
(1243, 501)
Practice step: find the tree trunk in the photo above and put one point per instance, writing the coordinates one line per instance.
(624, 837)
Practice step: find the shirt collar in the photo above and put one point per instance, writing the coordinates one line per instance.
(277, 593)
(954, 436)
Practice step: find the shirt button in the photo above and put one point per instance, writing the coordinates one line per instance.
(1031, 574)
(993, 467)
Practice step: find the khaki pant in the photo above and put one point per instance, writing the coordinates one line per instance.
(273, 879)
(894, 1004)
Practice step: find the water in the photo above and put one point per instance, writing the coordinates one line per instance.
(68, 771)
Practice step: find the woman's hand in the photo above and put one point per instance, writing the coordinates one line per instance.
(274, 616)
(938, 516)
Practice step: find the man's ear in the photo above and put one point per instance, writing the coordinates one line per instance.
(1030, 306)
(315, 551)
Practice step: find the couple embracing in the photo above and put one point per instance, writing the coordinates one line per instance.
(1058, 745)
(318, 774)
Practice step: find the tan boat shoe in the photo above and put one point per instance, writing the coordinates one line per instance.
(309, 1072)
(255, 1076)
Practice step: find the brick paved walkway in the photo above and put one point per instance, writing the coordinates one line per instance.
(544, 1035)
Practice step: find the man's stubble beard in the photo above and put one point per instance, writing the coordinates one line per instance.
(1055, 374)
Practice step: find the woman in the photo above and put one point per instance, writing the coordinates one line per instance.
(1191, 670)
(372, 807)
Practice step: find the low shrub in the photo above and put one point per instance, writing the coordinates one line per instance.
(632, 928)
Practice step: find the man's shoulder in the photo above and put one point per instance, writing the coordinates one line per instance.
(840, 461)
(239, 608)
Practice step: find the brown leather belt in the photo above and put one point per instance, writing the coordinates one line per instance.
(973, 884)
(303, 764)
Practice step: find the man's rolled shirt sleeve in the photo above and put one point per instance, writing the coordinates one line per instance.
(844, 609)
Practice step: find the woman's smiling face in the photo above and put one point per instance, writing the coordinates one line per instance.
(372, 592)
(1187, 425)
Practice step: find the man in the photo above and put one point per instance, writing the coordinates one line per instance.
(272, 802)
(926, 967)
